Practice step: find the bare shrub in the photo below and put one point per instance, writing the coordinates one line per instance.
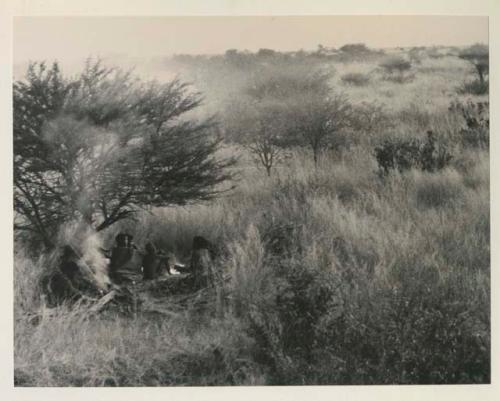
(260, 127)
(369, 118)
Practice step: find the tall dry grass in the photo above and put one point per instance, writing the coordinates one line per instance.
(337, 275)
(409, 254)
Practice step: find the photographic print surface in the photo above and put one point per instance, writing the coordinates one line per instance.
(251, 201)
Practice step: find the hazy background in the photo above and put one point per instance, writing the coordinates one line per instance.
(132, 40)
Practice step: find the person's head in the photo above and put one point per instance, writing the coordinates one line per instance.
(121, 240)
(200, 242)
(150, 248)
(129, 240)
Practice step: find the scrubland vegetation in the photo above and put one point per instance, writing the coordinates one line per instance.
(360, 258)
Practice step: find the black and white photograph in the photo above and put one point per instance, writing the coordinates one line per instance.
(251, 200)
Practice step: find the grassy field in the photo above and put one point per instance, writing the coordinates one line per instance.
(388, 280)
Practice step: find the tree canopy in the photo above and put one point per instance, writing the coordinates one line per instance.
(101, 146)
(288, 107)
(478, 55)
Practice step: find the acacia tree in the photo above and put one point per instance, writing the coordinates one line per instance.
(257, 126)
(102, 146)
(302, 107)
(316, 120)
(478, 56)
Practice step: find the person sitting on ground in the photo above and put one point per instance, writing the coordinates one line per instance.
(154, 263)
(125, 261)
(150, 263)
(67, 283)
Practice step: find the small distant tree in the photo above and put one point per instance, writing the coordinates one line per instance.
(316, 120)
(478, 56)
(266, 53)
(231, 52)
(257, 125)
(396, 67)
(310, 113)
(265, 141)
(358, 51)
(415, 54)
(102, 146)
(355, 48)
(369, 118)
(295, 107)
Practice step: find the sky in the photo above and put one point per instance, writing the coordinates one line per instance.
(71, 38)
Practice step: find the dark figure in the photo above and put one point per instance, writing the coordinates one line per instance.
(129, 240)
(154, 263)
(200, 242)
(66, 283)
(202, 257)
(121, 240)
(68, 265)
(125, 264)
(150, 263)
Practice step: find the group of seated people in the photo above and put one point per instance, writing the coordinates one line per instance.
(128, 264)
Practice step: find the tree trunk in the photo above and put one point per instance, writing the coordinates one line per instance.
(481, 74)
(315, 157)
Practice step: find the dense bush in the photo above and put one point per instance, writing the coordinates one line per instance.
(395, 64)
(404, 154)
(396, 69)
(476, 130)
(355, 79)
(358, 52)
(474, 87)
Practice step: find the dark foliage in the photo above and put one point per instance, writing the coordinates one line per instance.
(397, 69)
(358, 51)
(478, 56)
(404, 154)
(476, 129)
(355, 79)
